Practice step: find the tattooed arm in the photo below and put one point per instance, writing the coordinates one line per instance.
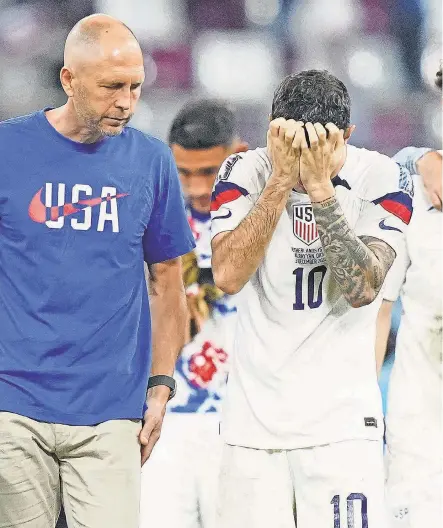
(237, 253)
(359, 264)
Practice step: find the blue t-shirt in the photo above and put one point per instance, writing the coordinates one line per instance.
(76, 222)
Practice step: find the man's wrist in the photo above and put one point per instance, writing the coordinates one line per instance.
(161, 386)
(160, 393)
(321, 193)
(279, 182)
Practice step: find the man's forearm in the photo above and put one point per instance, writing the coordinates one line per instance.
(358, 269)
(169, 318)
(238, 254)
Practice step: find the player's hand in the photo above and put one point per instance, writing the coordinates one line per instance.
(430, 169)
(320, 161)
(283, 145)
(153, 420)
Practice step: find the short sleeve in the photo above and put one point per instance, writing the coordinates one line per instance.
(236, 190)
(386, 203)
(167, 234)
(409, 156)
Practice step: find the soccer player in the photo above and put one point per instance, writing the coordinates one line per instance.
(306, 230)
(84, 200)
(414, 412)
(179, 481)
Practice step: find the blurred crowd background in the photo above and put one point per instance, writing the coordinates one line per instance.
(386, 52)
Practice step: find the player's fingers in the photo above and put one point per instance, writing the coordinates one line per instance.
(299, 135)
(312, 135)
(303, 140)
(291, 128)
(146, 451)
(275, 124)
(333, 134)
(148, 426)
(321, 134)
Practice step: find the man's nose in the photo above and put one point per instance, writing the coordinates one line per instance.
(124, 99)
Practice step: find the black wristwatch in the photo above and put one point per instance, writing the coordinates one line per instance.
(168, 381)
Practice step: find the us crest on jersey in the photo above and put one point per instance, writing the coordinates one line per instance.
(305, 228)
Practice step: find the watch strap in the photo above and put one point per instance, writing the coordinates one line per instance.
(162, 379)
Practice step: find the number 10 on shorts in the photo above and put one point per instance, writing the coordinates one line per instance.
(351, 500)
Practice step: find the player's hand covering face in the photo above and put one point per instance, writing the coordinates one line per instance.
(321, 159)
(283, 144)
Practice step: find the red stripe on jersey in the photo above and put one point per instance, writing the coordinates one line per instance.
(225, 197)
(397, 209)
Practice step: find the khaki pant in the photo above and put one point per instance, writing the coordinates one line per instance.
(95, 470)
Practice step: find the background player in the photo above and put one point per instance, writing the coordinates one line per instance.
(179, 482)
(414, 420)
(307, 234)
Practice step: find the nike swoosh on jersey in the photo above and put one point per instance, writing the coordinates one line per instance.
(223, 217)
(382, 225)
(38, 211)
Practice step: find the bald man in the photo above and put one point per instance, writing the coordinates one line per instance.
(84, 201)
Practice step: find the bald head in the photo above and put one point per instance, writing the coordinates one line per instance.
(97, 37)
(102, 75)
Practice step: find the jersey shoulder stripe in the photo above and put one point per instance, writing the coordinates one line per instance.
(225, 192)
(397, 203)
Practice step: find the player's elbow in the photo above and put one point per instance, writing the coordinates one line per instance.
(225, 281)
(364, 299)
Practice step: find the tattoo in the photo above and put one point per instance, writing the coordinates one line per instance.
(359, 265)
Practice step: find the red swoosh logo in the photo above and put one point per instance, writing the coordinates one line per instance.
(37, 210)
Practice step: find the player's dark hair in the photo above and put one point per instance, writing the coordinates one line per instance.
(438, 83)
(203, 124)
(313, 96)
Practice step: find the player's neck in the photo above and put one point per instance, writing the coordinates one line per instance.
(67, 123)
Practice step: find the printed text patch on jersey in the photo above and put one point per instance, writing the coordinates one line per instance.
(305, 228)
(230, 162)
(224, 193)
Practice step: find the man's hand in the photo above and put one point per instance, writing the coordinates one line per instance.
(320, 161)
(283, 144)
(153, 420)
(430, 169)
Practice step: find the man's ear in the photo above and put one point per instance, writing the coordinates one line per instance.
(66, 81)
(239, 146)
(348, 132)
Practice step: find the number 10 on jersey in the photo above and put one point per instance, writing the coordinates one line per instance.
(312, 295)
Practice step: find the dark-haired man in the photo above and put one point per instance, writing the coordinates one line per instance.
(308, 234)
(179, 483)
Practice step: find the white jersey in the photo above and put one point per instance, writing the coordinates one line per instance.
(303, 370)
(202, 367)
(414, 405)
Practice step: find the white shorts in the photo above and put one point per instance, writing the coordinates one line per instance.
(415, 488)
(179, 481)
(338, 485)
